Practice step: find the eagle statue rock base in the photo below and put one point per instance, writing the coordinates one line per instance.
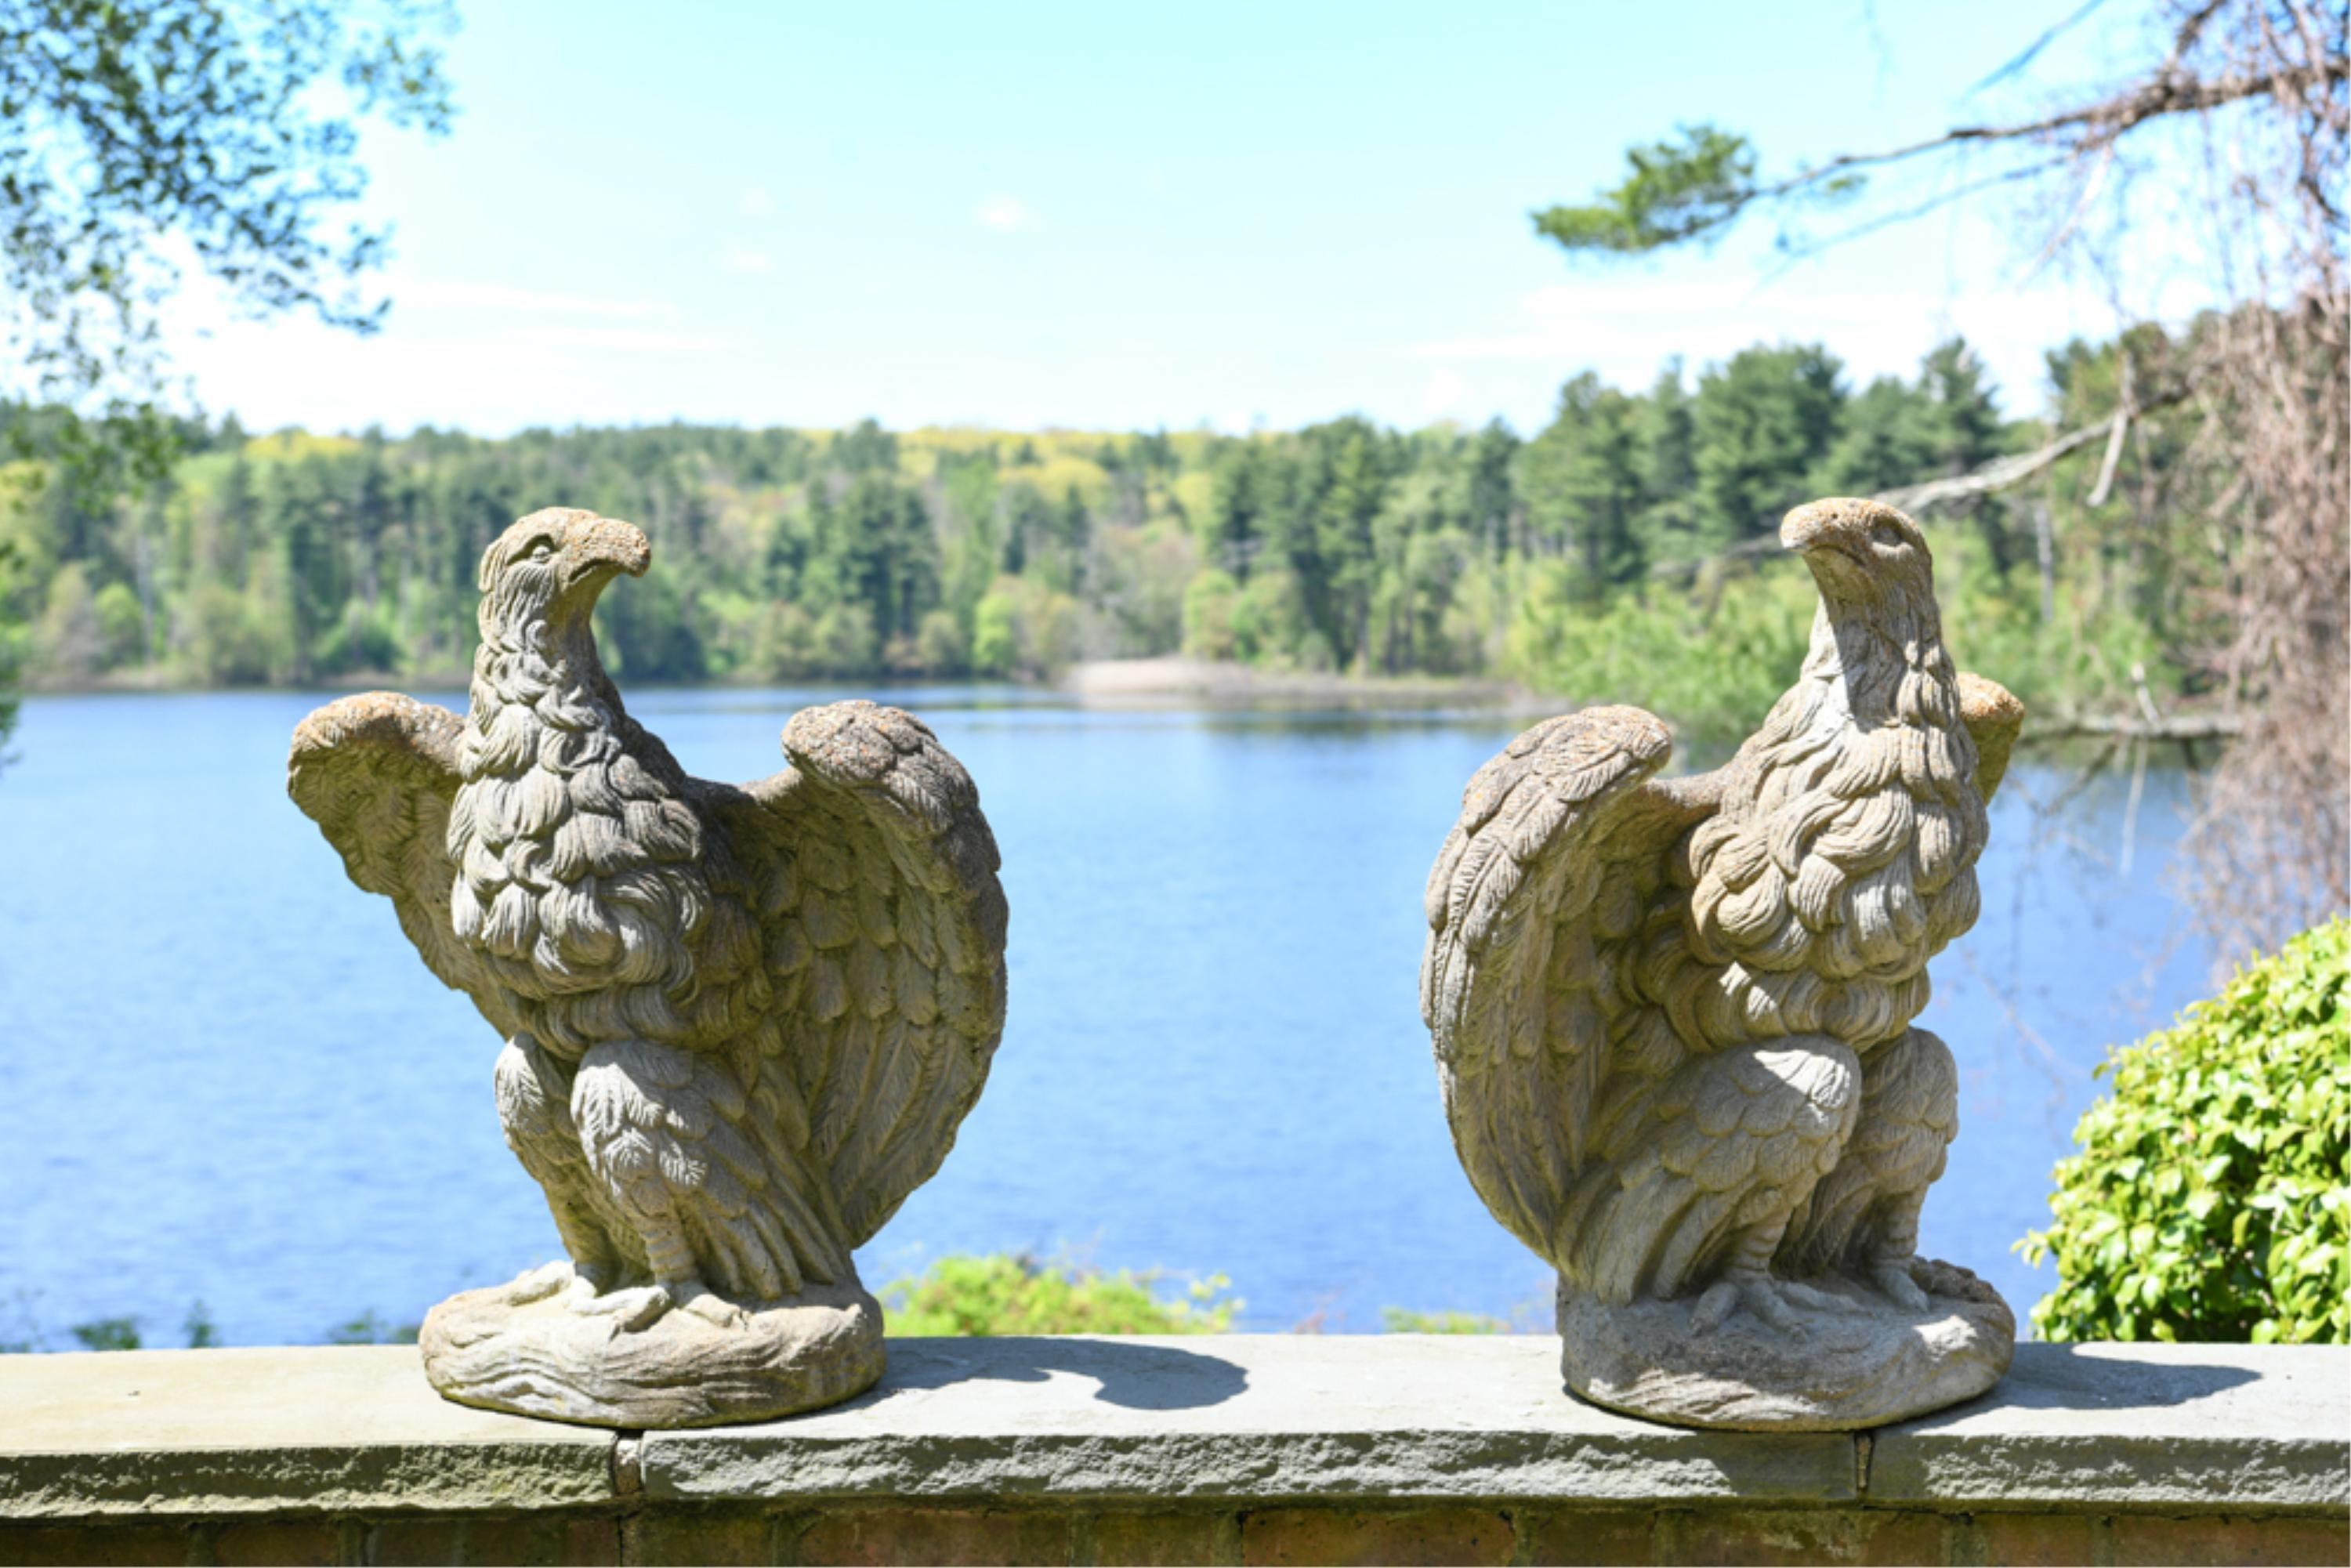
(1675, 1018)
(740, 1023)
(1858, 1363)
(509, 1348)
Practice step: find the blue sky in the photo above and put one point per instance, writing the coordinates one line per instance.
(1108, 216)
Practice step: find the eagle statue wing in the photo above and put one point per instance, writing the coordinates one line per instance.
(1549, 876)
(872, 874)
(1995, 718)
(377, 772)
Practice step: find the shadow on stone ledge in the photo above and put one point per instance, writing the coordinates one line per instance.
(1137, 1376)
(2091, 1377)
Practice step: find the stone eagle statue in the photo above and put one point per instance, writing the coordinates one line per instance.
(1673, 1017)
(741, 1024)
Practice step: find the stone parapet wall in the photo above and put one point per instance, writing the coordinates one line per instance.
(1240, 1448)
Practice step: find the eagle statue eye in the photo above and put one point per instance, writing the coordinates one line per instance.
(541, 548)
(1885, 536)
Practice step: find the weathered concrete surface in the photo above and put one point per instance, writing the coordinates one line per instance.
(1403, 1418)
(672, 964)
(545, 1358)
(2228, 1428)
(316, 1430)
(1277, 1446)
(1393, 1418)
(1672, 1018)
(1868, 1364)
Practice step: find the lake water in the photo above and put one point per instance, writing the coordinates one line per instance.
(228, 1079)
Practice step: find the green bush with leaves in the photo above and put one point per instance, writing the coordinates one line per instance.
(2209, 1201)
(1397, 1320)
(1003, 1293)
(1715, 661)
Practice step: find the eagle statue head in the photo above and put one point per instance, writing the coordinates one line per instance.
(1878, 626)
(548, 569)
(1864, 555)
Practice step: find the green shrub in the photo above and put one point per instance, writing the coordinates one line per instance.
(371, 1328)
(1005, 1294)
(108, 1333)
(1710, 662)
(1396, 1320)
(2208, 1202)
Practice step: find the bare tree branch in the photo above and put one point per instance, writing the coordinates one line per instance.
(2005, 473)
(2102, 122)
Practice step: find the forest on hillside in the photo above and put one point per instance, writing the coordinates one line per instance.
(1618, 552)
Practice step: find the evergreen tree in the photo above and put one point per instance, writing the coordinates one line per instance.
(1760, 424)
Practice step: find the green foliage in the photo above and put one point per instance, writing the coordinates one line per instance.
(369, 1328)
(25, 1336)
(197, 1329)
(202, 1333)
(1395, 1320)
(138, 132)
(11, 651)
(1761, 425)
(1625, 552)
(2210, 1199)
(1001, 1294)
(1716, 661)
(108, 1333)
(1673, 192)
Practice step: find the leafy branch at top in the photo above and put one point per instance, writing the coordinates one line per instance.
(137, 136)
(1692, 189)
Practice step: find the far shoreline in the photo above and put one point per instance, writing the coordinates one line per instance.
(1162, 681)
(1175, 681)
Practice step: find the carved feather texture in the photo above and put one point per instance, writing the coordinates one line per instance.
(378, 772)
(744, 1023)
(1655, 1003)
(896, 907)
(1510, 974)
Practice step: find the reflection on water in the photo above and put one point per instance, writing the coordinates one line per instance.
(229, 1079)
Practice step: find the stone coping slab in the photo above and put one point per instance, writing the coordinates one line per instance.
(1207, 1421)
(1275, 1416)
(2134, 1427)
(329, 1429)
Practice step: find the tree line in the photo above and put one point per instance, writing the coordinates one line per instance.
(1601, 557)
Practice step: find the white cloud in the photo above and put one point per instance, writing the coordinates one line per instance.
(447, 294)
(747, 259)
(1443, 393)
(755, 203)
(625, 338)
(1003, 213)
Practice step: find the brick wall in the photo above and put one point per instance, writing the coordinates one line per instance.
(1269, 1537)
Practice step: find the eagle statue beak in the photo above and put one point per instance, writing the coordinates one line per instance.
(614, 545)
(1806, 528)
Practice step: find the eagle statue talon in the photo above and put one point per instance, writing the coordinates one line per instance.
(741, 1023)
(1672, 1017)
(1899, 1281)
(1783, 1305)
(632, 1309)
(1818, 1299)
(586, 1286)
(640, 1307)
(537, 1284)
(714, 1309)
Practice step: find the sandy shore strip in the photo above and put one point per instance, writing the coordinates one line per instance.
(1173, 679)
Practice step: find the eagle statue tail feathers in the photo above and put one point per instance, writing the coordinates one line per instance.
(1541, 888)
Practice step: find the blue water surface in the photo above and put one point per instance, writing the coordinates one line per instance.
(226, 1078)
